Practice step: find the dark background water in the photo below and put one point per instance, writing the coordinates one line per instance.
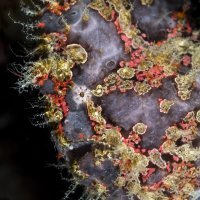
(27, 154)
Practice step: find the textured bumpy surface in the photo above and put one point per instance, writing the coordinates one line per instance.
(120, 82)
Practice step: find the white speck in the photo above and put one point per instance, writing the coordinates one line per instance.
(81, 94)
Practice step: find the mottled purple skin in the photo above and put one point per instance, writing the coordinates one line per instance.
(106, 172)
(156, 177)
(103, 45)
(105, 50)
(77, 122)
(128, 109)
(154, 20)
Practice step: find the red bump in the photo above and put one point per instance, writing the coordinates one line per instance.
(41, 25)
